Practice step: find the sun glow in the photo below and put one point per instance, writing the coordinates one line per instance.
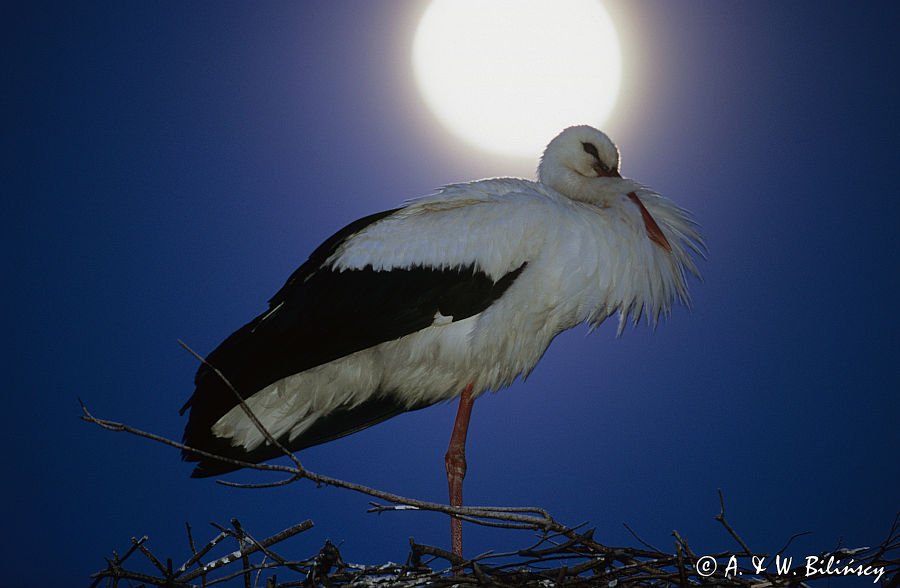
(507, 75)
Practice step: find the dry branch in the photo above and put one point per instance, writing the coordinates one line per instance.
(567, 559)
(562, 555)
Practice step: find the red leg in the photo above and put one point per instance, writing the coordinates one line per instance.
(455, 460)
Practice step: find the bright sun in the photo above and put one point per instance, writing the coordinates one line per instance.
(508, 75)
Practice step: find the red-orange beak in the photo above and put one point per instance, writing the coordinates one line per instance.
(653, 230)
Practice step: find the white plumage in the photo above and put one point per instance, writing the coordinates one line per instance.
(586, 260)
(450, 295)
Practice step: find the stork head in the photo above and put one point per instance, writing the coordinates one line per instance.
(582, 163)
(576, 155)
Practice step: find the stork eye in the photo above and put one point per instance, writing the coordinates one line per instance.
(591, 149)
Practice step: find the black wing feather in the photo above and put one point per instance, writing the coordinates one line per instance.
(318, 316)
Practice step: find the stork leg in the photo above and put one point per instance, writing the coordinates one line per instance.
(455, 461)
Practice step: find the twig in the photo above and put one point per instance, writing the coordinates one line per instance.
(565, 563)
(478, 515)
(257, 546)
(123, 428)
(191, 539)
(198, 554)
(641, 541)
(149, 555)
(791, 540)
(682, 573)
(632, 566)
(438, 552)
(256, 422)
(684, 544)
(277, 538)
(283, 482)
(509, 517)
(721, 518)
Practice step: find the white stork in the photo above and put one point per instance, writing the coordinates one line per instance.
(450, 295)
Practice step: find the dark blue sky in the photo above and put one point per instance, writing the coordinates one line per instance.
(170, 164)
